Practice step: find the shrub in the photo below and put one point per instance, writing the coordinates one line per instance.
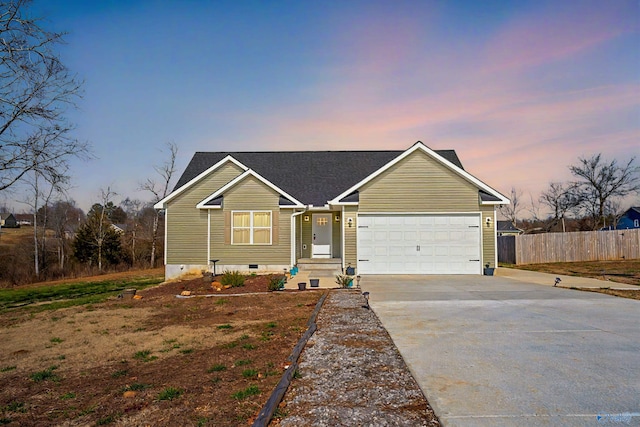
(276, 282)
(344, 281)
(233, 278)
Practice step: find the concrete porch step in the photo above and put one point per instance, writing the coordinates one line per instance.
(331, 265)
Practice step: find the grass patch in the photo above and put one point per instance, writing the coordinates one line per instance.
(225, 326)
(120, 373)
(77, 293)
(186, 351)
(244, 337)
(249, 373)
(252, 390)
(15, 407)
(244, 362)
(107, 420)
(272, 325)
(56, 340)
(221, 301)
(144, 356)
(170, 393)
(67, 396)
(8, 368)
(46, 375)
(217, 368)
(248, 346)
(137, 387)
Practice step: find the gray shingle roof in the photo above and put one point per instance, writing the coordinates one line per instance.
(312, 177)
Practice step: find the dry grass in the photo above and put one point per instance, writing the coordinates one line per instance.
(159, 349)
(627, 271)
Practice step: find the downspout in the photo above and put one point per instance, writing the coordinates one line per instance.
(342, 220)
(495, 238)
(293, 235)
(208, 236)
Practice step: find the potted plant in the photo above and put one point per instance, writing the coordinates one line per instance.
(488, 271)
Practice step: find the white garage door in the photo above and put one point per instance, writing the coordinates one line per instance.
(419, 244)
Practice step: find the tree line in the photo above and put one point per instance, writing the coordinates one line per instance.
(590, 201)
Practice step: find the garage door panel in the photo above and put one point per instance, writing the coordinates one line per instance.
(419, 244)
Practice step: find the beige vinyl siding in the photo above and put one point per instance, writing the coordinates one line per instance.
(252, 195)
(187, 225)
(336, 236)
(306, 235)
(350, 240)
(419, 183)
(488, 236)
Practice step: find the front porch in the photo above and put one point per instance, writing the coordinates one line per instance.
(324, 270)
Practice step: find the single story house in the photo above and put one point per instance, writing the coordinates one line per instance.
(7, 220)
(415, 211)
(506, 228)
(630, 219)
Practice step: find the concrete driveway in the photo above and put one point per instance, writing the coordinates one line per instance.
(496, 351)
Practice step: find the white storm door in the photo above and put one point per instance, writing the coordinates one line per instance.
(321, 236)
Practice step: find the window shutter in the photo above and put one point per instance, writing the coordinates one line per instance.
(227, 227)
(275, 227)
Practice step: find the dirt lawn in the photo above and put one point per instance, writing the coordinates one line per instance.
(159, 360)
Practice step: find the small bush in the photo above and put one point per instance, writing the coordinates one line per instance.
(233, 278)
(170, 393)
(252, 390)
(344, 281)
(276, 282)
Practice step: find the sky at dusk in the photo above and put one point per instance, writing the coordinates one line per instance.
(520, 89)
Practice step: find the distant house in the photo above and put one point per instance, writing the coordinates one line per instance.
(506, 228)
(119, 228)
(7, 220)
(630, 219)
(24, 219)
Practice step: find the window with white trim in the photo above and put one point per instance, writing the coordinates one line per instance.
(636, 223)
(251, 228)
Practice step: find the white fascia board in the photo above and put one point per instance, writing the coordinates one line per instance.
(161, 204)
(240, 178)
(498, 202)
(345, 203)
(420, 146)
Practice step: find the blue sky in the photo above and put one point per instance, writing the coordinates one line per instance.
(518, 89)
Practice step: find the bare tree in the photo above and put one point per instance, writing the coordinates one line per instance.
(36, 90)
(561, 200)
(132, 208)
(600, 183)
(44, 185)
(512, 211)
(160, 191)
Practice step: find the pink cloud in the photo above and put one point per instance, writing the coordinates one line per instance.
(569, 28)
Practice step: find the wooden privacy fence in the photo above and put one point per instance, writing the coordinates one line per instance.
(611, 245)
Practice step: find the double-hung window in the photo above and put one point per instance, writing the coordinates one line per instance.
(251, 228)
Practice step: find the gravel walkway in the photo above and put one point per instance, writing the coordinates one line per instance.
(351, 374)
